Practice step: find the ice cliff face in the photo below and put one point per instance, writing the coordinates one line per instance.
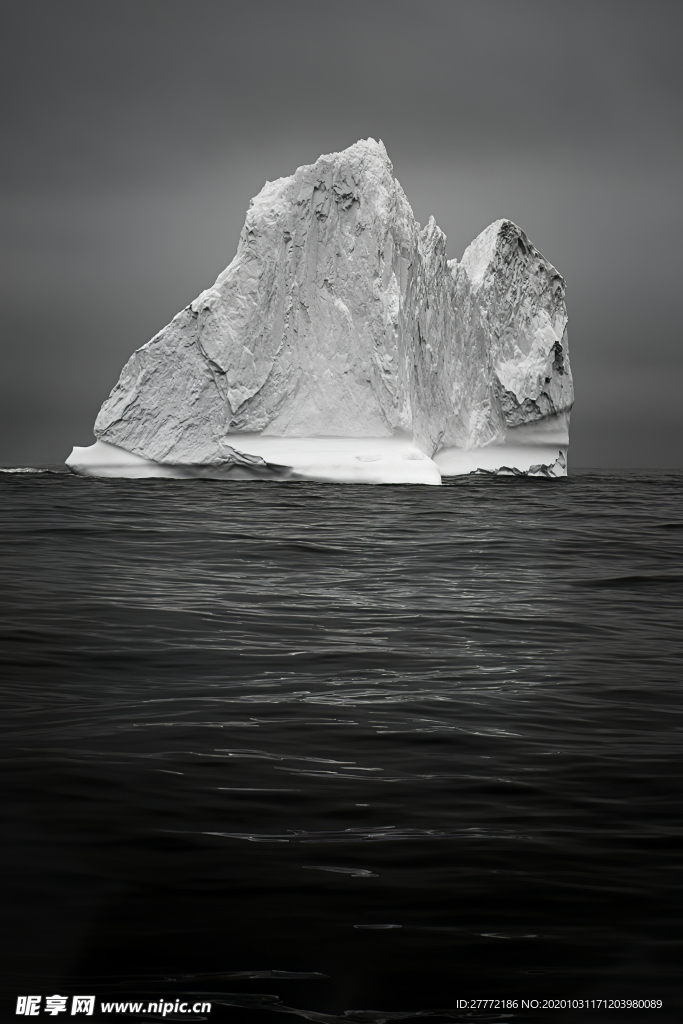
(340, 318)
(515, 302)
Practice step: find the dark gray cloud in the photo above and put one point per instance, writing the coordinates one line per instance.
(136, 131)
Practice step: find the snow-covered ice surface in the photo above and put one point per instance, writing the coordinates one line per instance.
(375, 460)
(340, 344)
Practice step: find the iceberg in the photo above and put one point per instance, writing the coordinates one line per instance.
(341, 345)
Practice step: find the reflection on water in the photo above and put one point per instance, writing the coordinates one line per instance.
(381, 747)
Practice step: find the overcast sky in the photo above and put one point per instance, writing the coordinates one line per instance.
(136, 132)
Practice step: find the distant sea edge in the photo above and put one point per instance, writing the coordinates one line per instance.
(63, 470)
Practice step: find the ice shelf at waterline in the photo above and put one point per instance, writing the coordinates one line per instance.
(342, 345)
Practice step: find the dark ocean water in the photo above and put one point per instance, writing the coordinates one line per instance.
(351, 748)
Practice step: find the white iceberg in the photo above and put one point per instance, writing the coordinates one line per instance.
(341, 345)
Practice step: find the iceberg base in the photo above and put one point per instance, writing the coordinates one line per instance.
(381, 460)
(532, 449)
(504, 460)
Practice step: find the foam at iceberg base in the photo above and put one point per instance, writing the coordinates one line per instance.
(341, 345)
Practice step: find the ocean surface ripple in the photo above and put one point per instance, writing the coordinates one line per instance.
(380, 747)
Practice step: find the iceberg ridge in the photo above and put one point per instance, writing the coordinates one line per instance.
(341, 344)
